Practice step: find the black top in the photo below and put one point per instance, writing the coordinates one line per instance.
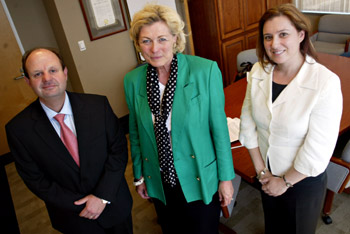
(276, 90)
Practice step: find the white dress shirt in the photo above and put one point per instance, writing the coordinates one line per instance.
(68, 118)
(168, 121)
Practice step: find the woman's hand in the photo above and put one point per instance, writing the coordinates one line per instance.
(225, 192)
(273, 186)
(266, 175)
(142, 191)
(276, 186)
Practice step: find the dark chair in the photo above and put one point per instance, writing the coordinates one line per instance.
(338, 180)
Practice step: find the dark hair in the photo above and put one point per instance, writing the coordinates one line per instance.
(299, 21)
(29, 52)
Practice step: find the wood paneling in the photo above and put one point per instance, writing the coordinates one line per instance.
(230, 50)
(251, 39)
(272, 3)
(254, 9)
(230, 14)
(205, 29)
(223, 28)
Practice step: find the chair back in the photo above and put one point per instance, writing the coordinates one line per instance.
(339, 24)
(333, 34)
(345, 156)
(246, 56)
(331, 30)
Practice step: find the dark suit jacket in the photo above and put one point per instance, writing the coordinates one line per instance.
(50, 172)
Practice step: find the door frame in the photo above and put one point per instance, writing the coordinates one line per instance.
(13, 27)
(8, 218)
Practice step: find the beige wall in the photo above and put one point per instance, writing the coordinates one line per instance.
(60, 23)
(32, 23)
(99, 69)
(314, 19)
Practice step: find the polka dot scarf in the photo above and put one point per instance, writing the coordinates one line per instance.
(161, 111)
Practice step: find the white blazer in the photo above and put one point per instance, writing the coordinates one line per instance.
(301, 127)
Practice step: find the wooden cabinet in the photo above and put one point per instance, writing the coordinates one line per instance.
(230, 50)
(253, 10)
(223, 28)
(230, 14)
(272, 3)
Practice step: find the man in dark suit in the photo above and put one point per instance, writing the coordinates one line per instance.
(85, 194)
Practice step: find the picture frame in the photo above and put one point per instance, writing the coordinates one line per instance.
(103, 17)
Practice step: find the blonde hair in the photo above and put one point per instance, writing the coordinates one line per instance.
(153, 13)
(300, 22)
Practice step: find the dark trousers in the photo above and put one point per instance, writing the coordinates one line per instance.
(297, 210)
(178, 216)
(92, 227)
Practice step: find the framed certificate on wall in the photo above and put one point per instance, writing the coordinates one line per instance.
(103, 17)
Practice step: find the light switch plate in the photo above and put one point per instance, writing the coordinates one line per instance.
(82, 46)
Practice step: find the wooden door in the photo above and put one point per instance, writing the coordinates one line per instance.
(14, 94)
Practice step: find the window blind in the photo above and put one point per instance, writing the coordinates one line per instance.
(324, 6)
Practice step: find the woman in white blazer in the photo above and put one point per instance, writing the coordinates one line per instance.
(290, 121)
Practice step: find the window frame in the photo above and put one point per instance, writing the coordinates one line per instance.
(298, 5)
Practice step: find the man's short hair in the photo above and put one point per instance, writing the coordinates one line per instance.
(27, 53)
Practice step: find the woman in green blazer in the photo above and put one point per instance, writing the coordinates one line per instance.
(176, 105)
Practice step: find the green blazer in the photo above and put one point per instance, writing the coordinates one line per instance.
(199, 133)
